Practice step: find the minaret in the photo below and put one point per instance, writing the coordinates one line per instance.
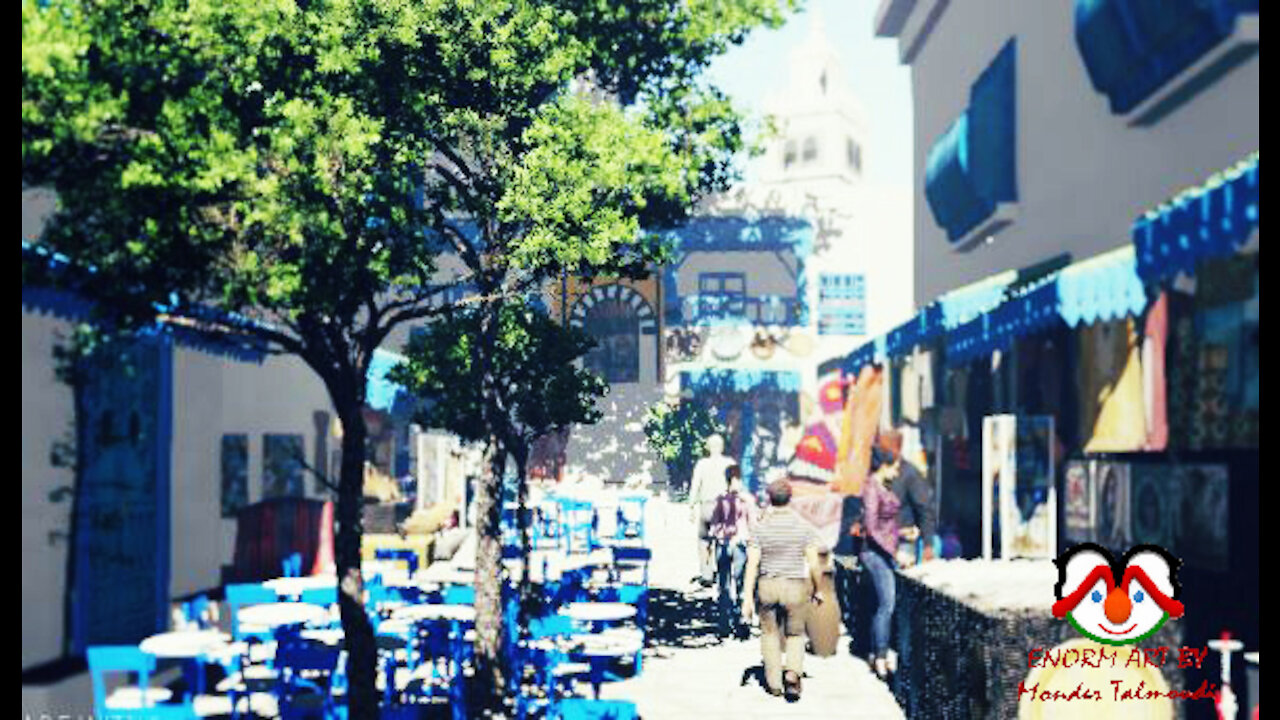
(822, 130)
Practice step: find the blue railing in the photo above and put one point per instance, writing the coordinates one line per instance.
(711, 309)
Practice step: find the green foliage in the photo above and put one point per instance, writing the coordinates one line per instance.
(541, 388)
(304, 164)
(678, 434)
(266, 156)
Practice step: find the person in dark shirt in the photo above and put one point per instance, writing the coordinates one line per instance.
(916, 496)
(731, 523)
(848, 545)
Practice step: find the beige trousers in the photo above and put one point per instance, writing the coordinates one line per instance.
(783, 604)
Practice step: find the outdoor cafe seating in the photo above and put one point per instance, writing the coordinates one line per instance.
(275, 647)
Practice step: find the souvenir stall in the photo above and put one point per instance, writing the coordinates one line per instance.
(1113, 400)
(755, 407)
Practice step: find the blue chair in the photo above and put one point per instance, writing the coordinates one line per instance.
(459, 595)
(243, 595)
(637, 595)
(291, 565)
(582, 709)
(303, 687)
(405, 555)
(630, 523)
(196, 611)
(578, 520)
(323, 596)
(546, 524)
(624, 555)
(125, 659)
(433, 643)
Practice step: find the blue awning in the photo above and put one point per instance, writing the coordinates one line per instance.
(948, 183)
(972, 167)
(981, 318)
(1132, 47)
(1210, 221)
(1100, 289)
(971, 301)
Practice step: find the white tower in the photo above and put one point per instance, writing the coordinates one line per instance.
(817, 156)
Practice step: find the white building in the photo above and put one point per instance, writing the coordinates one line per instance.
(802, 263)
(1177, 104)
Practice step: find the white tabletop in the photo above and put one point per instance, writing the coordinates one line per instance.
(183, 643)
(598, 611)
(328, 637)
(447, 574)
(296, 585)
(608, 647)
(277, 614)
(435, 611)
(400, 580)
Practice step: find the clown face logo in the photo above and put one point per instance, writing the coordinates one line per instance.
(1117, 602)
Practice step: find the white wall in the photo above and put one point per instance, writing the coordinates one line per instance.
(1084, 174)
(614, 449)
(214, 395)
(48, 409)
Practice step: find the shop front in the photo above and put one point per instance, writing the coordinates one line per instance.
(1112, 401)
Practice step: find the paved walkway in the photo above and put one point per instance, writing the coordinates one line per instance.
(690, 673)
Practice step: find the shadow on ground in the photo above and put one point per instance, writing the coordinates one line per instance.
(683, 620)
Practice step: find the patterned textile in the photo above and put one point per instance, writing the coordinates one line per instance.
(1153, 379)
(821, 509)
(866, 400)
(1212, 373)
(927, 365)
(1224, 281)
(1181, 370)
(815, 457)
(1113, 417)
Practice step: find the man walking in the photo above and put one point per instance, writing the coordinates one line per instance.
(705, 488)
(783, 554)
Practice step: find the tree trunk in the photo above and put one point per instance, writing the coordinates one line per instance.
(490, 678)
(520, 453)
(362, 653)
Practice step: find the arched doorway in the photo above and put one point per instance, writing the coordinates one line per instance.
(616, 316)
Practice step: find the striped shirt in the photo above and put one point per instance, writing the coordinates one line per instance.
(782, 537)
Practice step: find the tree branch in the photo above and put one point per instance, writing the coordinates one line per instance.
(323, 478)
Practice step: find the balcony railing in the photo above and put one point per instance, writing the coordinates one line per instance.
(733, 309)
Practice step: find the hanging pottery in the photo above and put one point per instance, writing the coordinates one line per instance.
(727, 343)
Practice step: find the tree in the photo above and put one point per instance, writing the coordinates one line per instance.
(678, 434)
(286, 174)
(538, 382)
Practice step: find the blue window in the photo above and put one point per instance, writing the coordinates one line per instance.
(972, 167)
(842, 304)
(722, 284)
(1131, 48)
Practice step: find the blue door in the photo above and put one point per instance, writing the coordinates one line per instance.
(119, 591)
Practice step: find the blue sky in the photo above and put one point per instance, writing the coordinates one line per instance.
(759, 66)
